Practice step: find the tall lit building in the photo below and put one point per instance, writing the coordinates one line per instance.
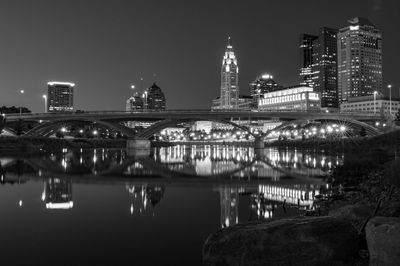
(324, 68)
(318, 65)
(263, 84)
(60, 96)
(229, 79)
(359, 48)
(307, 43)
(154, 98)
(134, 103)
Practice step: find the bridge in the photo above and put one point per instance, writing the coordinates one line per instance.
(50, 122)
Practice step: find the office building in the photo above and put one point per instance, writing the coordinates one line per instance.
(318, 65)
(60, 96)
(306, 58)
(262, 85)
(298, 98)
(324, 68)
(229, 97)
(365, 104)
(244, 103)
(359, 48)
(154, 99)
(134, 103)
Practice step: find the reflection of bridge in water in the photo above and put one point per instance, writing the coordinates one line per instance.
(256, 182)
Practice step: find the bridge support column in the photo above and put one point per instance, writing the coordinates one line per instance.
(138, 144)
(259, 143)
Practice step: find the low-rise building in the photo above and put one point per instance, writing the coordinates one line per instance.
(370, 104)
(296, 98)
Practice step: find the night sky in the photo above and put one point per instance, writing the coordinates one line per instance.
(104, 46)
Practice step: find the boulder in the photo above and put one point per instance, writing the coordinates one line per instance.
(383, 240)
(299, 241)
(356, 214)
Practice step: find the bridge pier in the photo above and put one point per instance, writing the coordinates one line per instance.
(259, 143)
(138, 144)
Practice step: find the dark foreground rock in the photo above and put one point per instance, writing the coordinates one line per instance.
(383, 239)
(356, 214)
(302, 241)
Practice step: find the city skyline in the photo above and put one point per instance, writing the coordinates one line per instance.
(108, 61)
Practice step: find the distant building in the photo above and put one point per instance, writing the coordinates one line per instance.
(262, 85)
(60, 96)
(359, 59)
(154, 99)
(318, 65)
(134, 103)
(244, 102)
(365, 104)
(324, 68)
(297, 98)
(229, 97)
(307, 44)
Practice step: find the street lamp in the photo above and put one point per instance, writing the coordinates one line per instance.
(375, 93)
(45, 102)
(390, 98)
(20, 102)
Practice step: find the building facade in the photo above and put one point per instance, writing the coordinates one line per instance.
(154, 99)
(324, 68)
(229, 97)
(367, 104)
(134, 103)
(261, 85)
(297, 98)
(60, 96)
(318, 65)
(359, 59)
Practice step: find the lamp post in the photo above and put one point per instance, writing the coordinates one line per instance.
(390, 98)
(20, 101)
(375, 93)
(45, 102)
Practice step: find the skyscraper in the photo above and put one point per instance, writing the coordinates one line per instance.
(262, 85)
(154, 98)
(60, 96)
(229, 79)
(324, 67)
(359, 48)
(306, 58)
(134, 103)
(318, 65)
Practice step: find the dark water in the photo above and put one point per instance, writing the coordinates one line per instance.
(113, 207)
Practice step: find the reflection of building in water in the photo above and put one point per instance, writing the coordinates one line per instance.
(229, 204)
(264, 200)
(144, 195)
(57, 194)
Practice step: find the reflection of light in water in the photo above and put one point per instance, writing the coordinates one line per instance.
(297, 196)
(20, 203)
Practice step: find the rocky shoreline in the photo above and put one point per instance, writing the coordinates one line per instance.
(358, 223)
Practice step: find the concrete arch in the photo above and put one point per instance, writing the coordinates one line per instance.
(45, 128)
(370, 130)
(157, 127)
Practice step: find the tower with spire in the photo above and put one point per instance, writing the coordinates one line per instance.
(229, 98)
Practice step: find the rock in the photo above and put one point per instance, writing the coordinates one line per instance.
(356, 214)
(383, 240)
(301, 241)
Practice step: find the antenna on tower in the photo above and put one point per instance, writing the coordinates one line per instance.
(229, 41)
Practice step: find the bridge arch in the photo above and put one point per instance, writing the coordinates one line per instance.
(370, 130)
(45, 128)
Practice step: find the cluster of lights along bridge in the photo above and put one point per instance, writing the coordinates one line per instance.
(332, 100)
